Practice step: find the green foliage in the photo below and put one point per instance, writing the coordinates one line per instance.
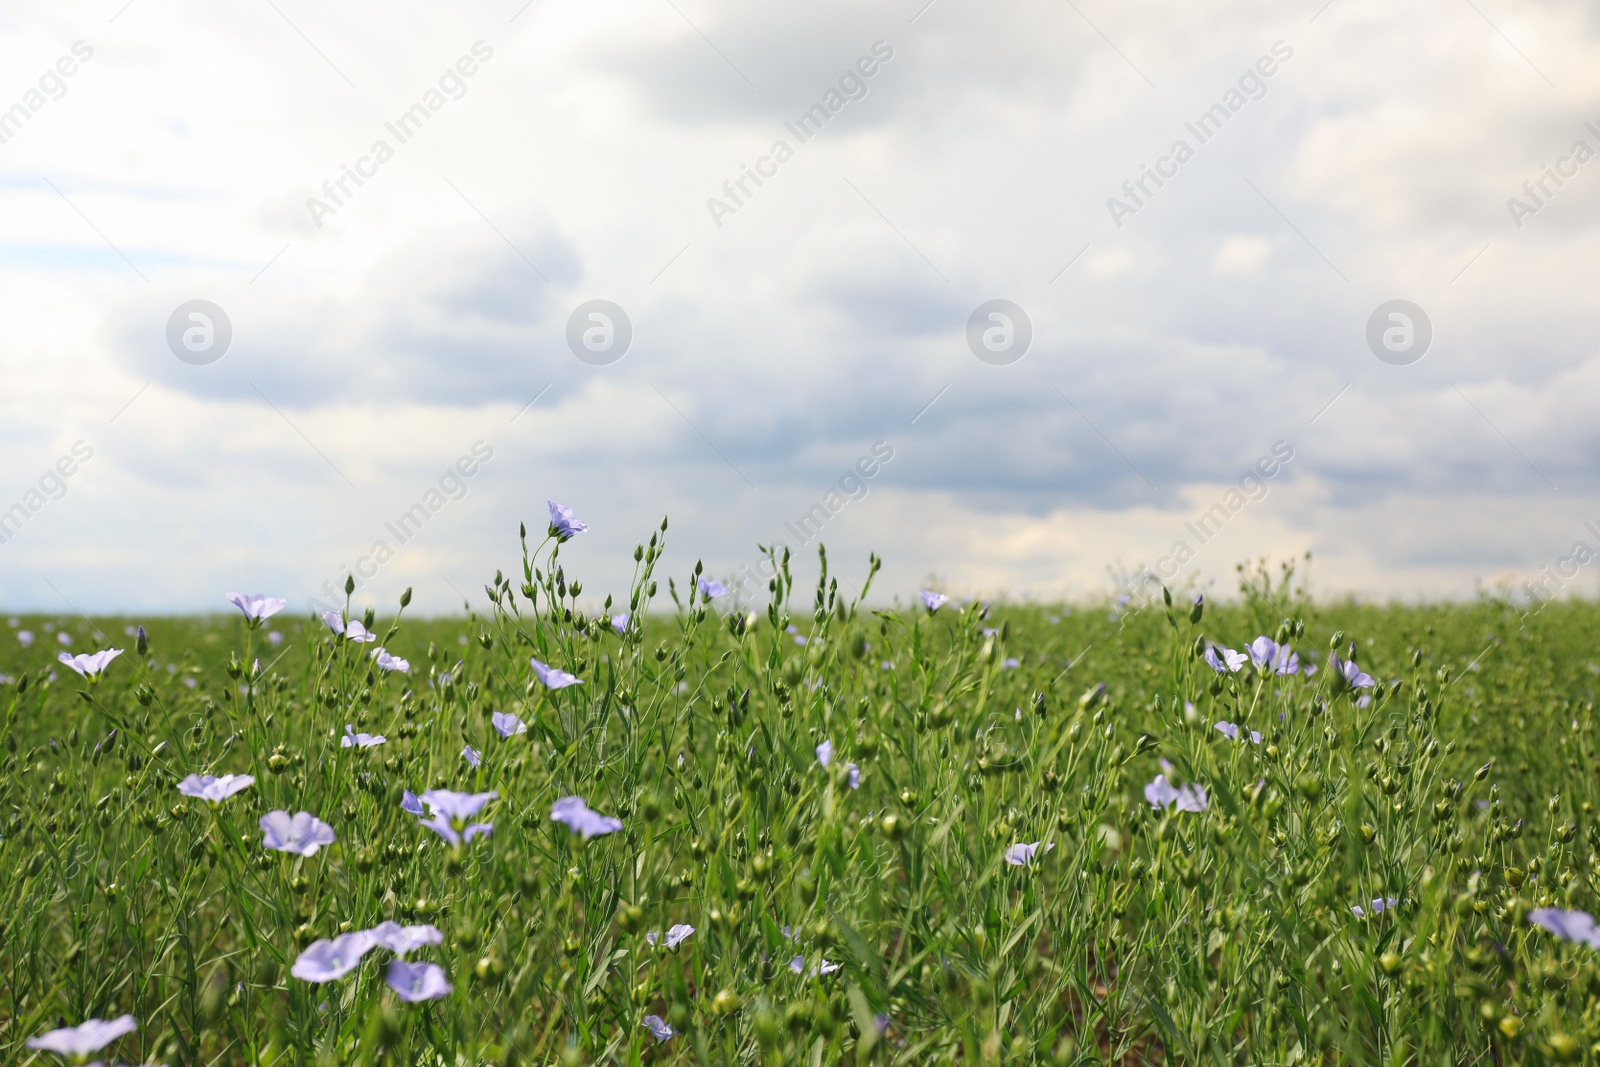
(1463, 789)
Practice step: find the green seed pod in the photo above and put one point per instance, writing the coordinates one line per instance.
(1563, 1048)
(766, 1025)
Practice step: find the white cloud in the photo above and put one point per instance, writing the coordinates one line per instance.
(1242, 256)
(826, 313)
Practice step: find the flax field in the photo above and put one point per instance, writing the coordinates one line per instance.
(660, 825)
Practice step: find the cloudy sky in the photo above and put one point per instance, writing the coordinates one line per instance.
(1314, 162)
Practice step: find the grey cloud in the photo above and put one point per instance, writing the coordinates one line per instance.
(451, 319)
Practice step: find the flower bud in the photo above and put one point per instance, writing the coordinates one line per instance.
(1563, 1048)
(213, 998)
(766, 1026)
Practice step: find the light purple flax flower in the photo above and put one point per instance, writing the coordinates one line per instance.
(325, 961)
(79, 1042)
(440, 825)
(1225, 660)
(472, 755)
(855, 775)
(409, 803)
(457, 806)
(825, 754)
(213, 788)
(351, 631)
(576, 815)
(506, 724)
(933, 601)
(1268, 655)
(302, 833)
(1021, 855)
(554, 677)
(563, 527)
(798, 966)
(90, 666)
(1354, 676)
(676, 935)
(710, 588)
(1231, 732)
(404, 940)
(1576, 926)
(619, 623)
(351, 739)
(257, 608)
(388, 663)
(658, 1027)
(414, 982)
(1162, 793)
